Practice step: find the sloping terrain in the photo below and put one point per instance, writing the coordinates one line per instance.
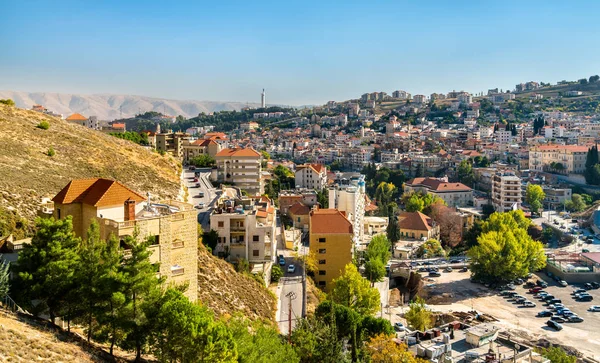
(28, 173)
(226, 291)
(110, 106)
(25, 341)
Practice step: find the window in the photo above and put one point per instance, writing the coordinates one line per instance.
(322, 272)
(322, 262)
(58, 213)
(322, 240)
(177, 270)
(255, 253)
(221, 224)
(322, 250)
(298, 219)
(322, 283)
(178, 243)
(255, 238)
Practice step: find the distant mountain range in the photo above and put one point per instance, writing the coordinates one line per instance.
(110, 106)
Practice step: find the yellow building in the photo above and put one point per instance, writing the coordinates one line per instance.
(571, 158)
(199, 147)
(416, 225)
(120, 211)
(331, 239)
(240, 167)
(299, 213)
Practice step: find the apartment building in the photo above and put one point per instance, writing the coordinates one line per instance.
(311, 176)
(350, 199)
(120, 212)
(240, 167)
(171, 143)
(464, 98)
(249, 126)
(506, 192)
(556, 197)
(546, 157)
(287, 198)
(330, 235)
(199, 147)
(420, 99)
(79, 119)
(403, 95)
(454, 194)
(246, 228)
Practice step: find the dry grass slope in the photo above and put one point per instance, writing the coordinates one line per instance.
(22, 342)
(28, 173)
(226, 291)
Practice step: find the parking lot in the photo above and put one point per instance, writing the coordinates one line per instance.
(455, 292)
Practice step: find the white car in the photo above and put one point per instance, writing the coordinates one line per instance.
(291, 269)
(594, 308)
(201, 205)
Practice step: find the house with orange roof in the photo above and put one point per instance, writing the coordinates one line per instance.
(311, 176)
(330, 235)
(454, 194)
(416, 225)
(120, 211)
(240, 167)
(192, 149)
(299, 215)
(79, 119)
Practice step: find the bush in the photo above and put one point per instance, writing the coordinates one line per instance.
(51, 151)
(7, 102)
(276, 273)
(44, 125)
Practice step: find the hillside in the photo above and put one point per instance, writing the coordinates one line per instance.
(28, 173)
(589, 89)
(111, 106)
(226, 291)
(24, 340)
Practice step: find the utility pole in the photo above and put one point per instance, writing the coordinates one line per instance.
(291, 296)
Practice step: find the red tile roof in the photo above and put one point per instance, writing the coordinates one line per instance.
(96, 192)
(76, 117)
(551, 147)
(299, 209)
(324, 221)
(239, 152)
(438, 185)
(415, 220)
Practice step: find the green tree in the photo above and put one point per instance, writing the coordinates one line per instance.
(202, 161)
(141, 286)
(354, 291)
(414, 203)
(557, 355)
(534, 196)
(7, 102)
(186, 332)
(210, 239)
(547, 234)
(4, 277)
(418, 316)
(276, 273)
(465, 173)
(44, 125)
(419, 171)
(393, 229)
(323, 198)
(317, 342)
(431, 248)
(45, 268)
(376, 257)
(576, 203)
(258, 342)
(384, 194)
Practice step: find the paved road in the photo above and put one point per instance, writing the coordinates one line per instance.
(291, 283)
(209, 198)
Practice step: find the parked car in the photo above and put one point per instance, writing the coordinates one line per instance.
(563, 283)
(541, 283)
(529, 304)
(282, 261)
(582, 298)
(594, 308)
(195, 180)
(588, 286)
(448, 269)
(535, 290)
(511, 287)
(291, 269)
(554, 325)
(556, 306)
(434, 274)
(558, 319)
(578, 291)
(399, 326)
(544, 314)
(201, 194)
(595, 285)
(574, 319)
(554, 301)
(548, 298)
(423, 269)
(519, 281)
(464, 269)
(530, 284)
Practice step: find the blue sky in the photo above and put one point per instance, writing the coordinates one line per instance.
(304, 52)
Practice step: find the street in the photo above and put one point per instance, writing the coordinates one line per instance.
(209, 198)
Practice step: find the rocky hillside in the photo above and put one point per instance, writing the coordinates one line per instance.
(110, 106)
(226, 291)
(28, 173)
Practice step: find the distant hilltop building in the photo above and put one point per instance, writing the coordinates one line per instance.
(79, 119)
(263, 99)
(44, 110)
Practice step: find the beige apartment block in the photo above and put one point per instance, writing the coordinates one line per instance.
(572, 158)
(122, 212)
(454, 194)
(240, 167)
(506, 192)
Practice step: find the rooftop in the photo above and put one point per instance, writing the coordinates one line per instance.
(329, 221)
(97, 192)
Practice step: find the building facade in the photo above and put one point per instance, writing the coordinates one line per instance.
(330, 234)
(171, 143)
(506, 192)
(200, 147)
(547, 157)
(454, 194)
(121, 212)
(350, 199)
(311, 176)
(240, 167)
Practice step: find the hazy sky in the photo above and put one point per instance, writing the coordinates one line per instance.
(305, 52)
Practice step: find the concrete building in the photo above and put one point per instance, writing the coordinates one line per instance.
(287, 198)
(248, 126)
(246, 228)
(79, 119)
(171, 143)
(240, 167)
(121, 212)
(350, 199)
(263, 99)
(420, 99)
(506, 192)
(311, 176)
(556, 197)
(416, 225)
(571, 157)
(199, 147)
(330, 235)
(464, 98)
(454, 194)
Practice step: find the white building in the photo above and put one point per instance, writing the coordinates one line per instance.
(506, 192)
(311, 176)
(465, 98)
(350, 199)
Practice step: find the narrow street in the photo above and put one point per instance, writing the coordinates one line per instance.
(209, 198)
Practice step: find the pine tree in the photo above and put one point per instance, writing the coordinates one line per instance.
(4, 278)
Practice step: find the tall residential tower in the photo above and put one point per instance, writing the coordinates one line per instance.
(263, 99)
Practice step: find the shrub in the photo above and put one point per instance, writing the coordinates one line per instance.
(44, 125)
(51, 151)
(276, 273)
(7, 102)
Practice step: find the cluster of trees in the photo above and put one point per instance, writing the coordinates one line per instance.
(226, 120)
(431, 248)
(538, 124)
(504, 249)
(203, 161)
(140, 138)
(578, 202)
(376, 256)
(534, 196)
(420, 202)
(465, 173)
(592, 79)
(283, 178)
(450, 223)
(592, 167)
(374, 178)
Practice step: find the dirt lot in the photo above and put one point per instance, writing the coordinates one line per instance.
(454, 292)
